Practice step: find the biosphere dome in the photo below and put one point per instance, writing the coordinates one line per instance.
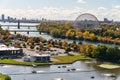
(86, 21)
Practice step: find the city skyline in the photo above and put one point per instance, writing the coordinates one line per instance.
(60, 9)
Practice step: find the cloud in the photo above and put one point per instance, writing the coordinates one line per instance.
(101, 8)
(54, 13)
(46, 12)
(111, 14)
(116, 6)
(81, 1)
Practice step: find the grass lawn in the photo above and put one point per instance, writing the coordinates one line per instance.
(4, 77)
(11, 61)
(61, 59)
(109, 66)
(69, 59)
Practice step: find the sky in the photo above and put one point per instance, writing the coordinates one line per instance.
(60, 9)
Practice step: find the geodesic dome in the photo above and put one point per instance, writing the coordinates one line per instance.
(86, 21)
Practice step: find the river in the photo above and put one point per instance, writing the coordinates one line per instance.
(84, 71)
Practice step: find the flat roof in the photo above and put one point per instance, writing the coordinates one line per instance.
(42, 55)
(4, 47)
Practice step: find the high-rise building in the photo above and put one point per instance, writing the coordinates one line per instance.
(8, 18)
(3, 17)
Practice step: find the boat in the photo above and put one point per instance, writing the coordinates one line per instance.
(59, 67)
(73, 69)
(64, 66)
(92, 77)
(34, 71)
(34, 65)
(58, 79)
(110, 75)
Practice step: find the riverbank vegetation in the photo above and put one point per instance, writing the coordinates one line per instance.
(66, 30)
(4, 77)
(107, 33)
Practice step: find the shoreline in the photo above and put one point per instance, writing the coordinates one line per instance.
(109, 66)
(105, 65)
(62, 60)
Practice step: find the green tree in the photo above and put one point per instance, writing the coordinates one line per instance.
(100, 52)
(113, 54)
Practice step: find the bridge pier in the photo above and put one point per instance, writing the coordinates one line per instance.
(15, 32)
(28, 27)
(8, 27)
(27, 32)
(18, 24)
(39, 32)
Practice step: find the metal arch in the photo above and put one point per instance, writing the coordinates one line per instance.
(87, 14)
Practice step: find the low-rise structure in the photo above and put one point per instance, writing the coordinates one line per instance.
(38, 58)
(10, 52)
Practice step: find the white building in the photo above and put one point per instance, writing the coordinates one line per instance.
(38, 58)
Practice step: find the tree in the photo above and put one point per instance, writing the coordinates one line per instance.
(86, 34)
(67, 50)
(50, 45)
(92, 36)
(112, 54)
(19, 35)
(24, 45)
(64, 44)
(100, 52)
(32, 47)
(89, 50)
(70, 33)
(55, 32)
(79, 34)
(30, 40)
(83, 49)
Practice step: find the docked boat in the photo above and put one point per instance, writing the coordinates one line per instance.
(73, 69)
(34, 65)
(58, 79)
(34, 71)
(64, 66)
(110, 75)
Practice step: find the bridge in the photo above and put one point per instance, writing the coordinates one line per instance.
(18, 26)
(15, 31)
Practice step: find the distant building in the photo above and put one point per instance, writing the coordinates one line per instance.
(10, 52)
(107, 21)
(38, 58)
(3, 17)
(8, 18)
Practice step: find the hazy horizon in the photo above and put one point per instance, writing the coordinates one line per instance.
(60, 9)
